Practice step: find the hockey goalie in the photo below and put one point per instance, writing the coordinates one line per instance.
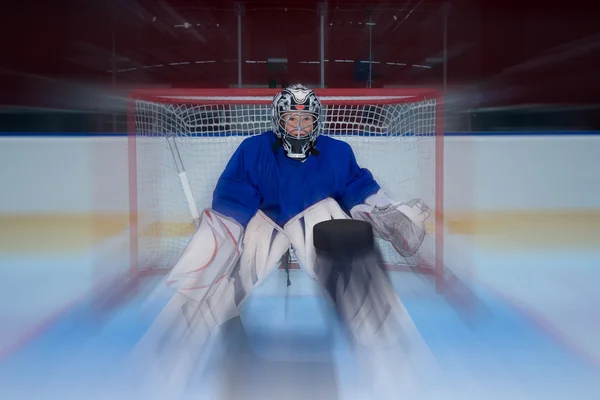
(291, 187)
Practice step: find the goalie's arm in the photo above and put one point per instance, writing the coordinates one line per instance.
(358, 184)
(400, 224)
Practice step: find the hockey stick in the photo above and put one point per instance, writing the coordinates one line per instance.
(183, 177)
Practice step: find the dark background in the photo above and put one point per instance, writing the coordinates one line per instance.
(67, 65)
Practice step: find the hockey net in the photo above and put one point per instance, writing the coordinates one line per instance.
(181, 140)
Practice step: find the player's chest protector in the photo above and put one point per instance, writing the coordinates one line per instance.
(289, 186)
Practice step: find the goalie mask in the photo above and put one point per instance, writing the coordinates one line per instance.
(296, 120)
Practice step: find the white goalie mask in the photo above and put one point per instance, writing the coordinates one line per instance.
(296, 120)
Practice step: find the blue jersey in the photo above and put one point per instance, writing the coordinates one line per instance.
(257, 177)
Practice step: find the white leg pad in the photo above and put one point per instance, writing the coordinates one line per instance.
(264, 245)
(209, 257)
(211, 280)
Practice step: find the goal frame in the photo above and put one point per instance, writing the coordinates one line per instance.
(217, 96)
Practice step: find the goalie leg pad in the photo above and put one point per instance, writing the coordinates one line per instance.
(347, 266)
(388, 344)
(265, 243)
(171, 348)
(215, 254)
(210, 288)
(210, 256)
(213, 275)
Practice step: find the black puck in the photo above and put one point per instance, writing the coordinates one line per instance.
(347, 236)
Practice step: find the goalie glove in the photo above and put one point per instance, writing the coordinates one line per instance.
(401, 224)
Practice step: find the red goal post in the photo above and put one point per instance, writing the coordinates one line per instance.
(180, 140)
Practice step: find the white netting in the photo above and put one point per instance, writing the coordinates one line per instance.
(396, 141)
